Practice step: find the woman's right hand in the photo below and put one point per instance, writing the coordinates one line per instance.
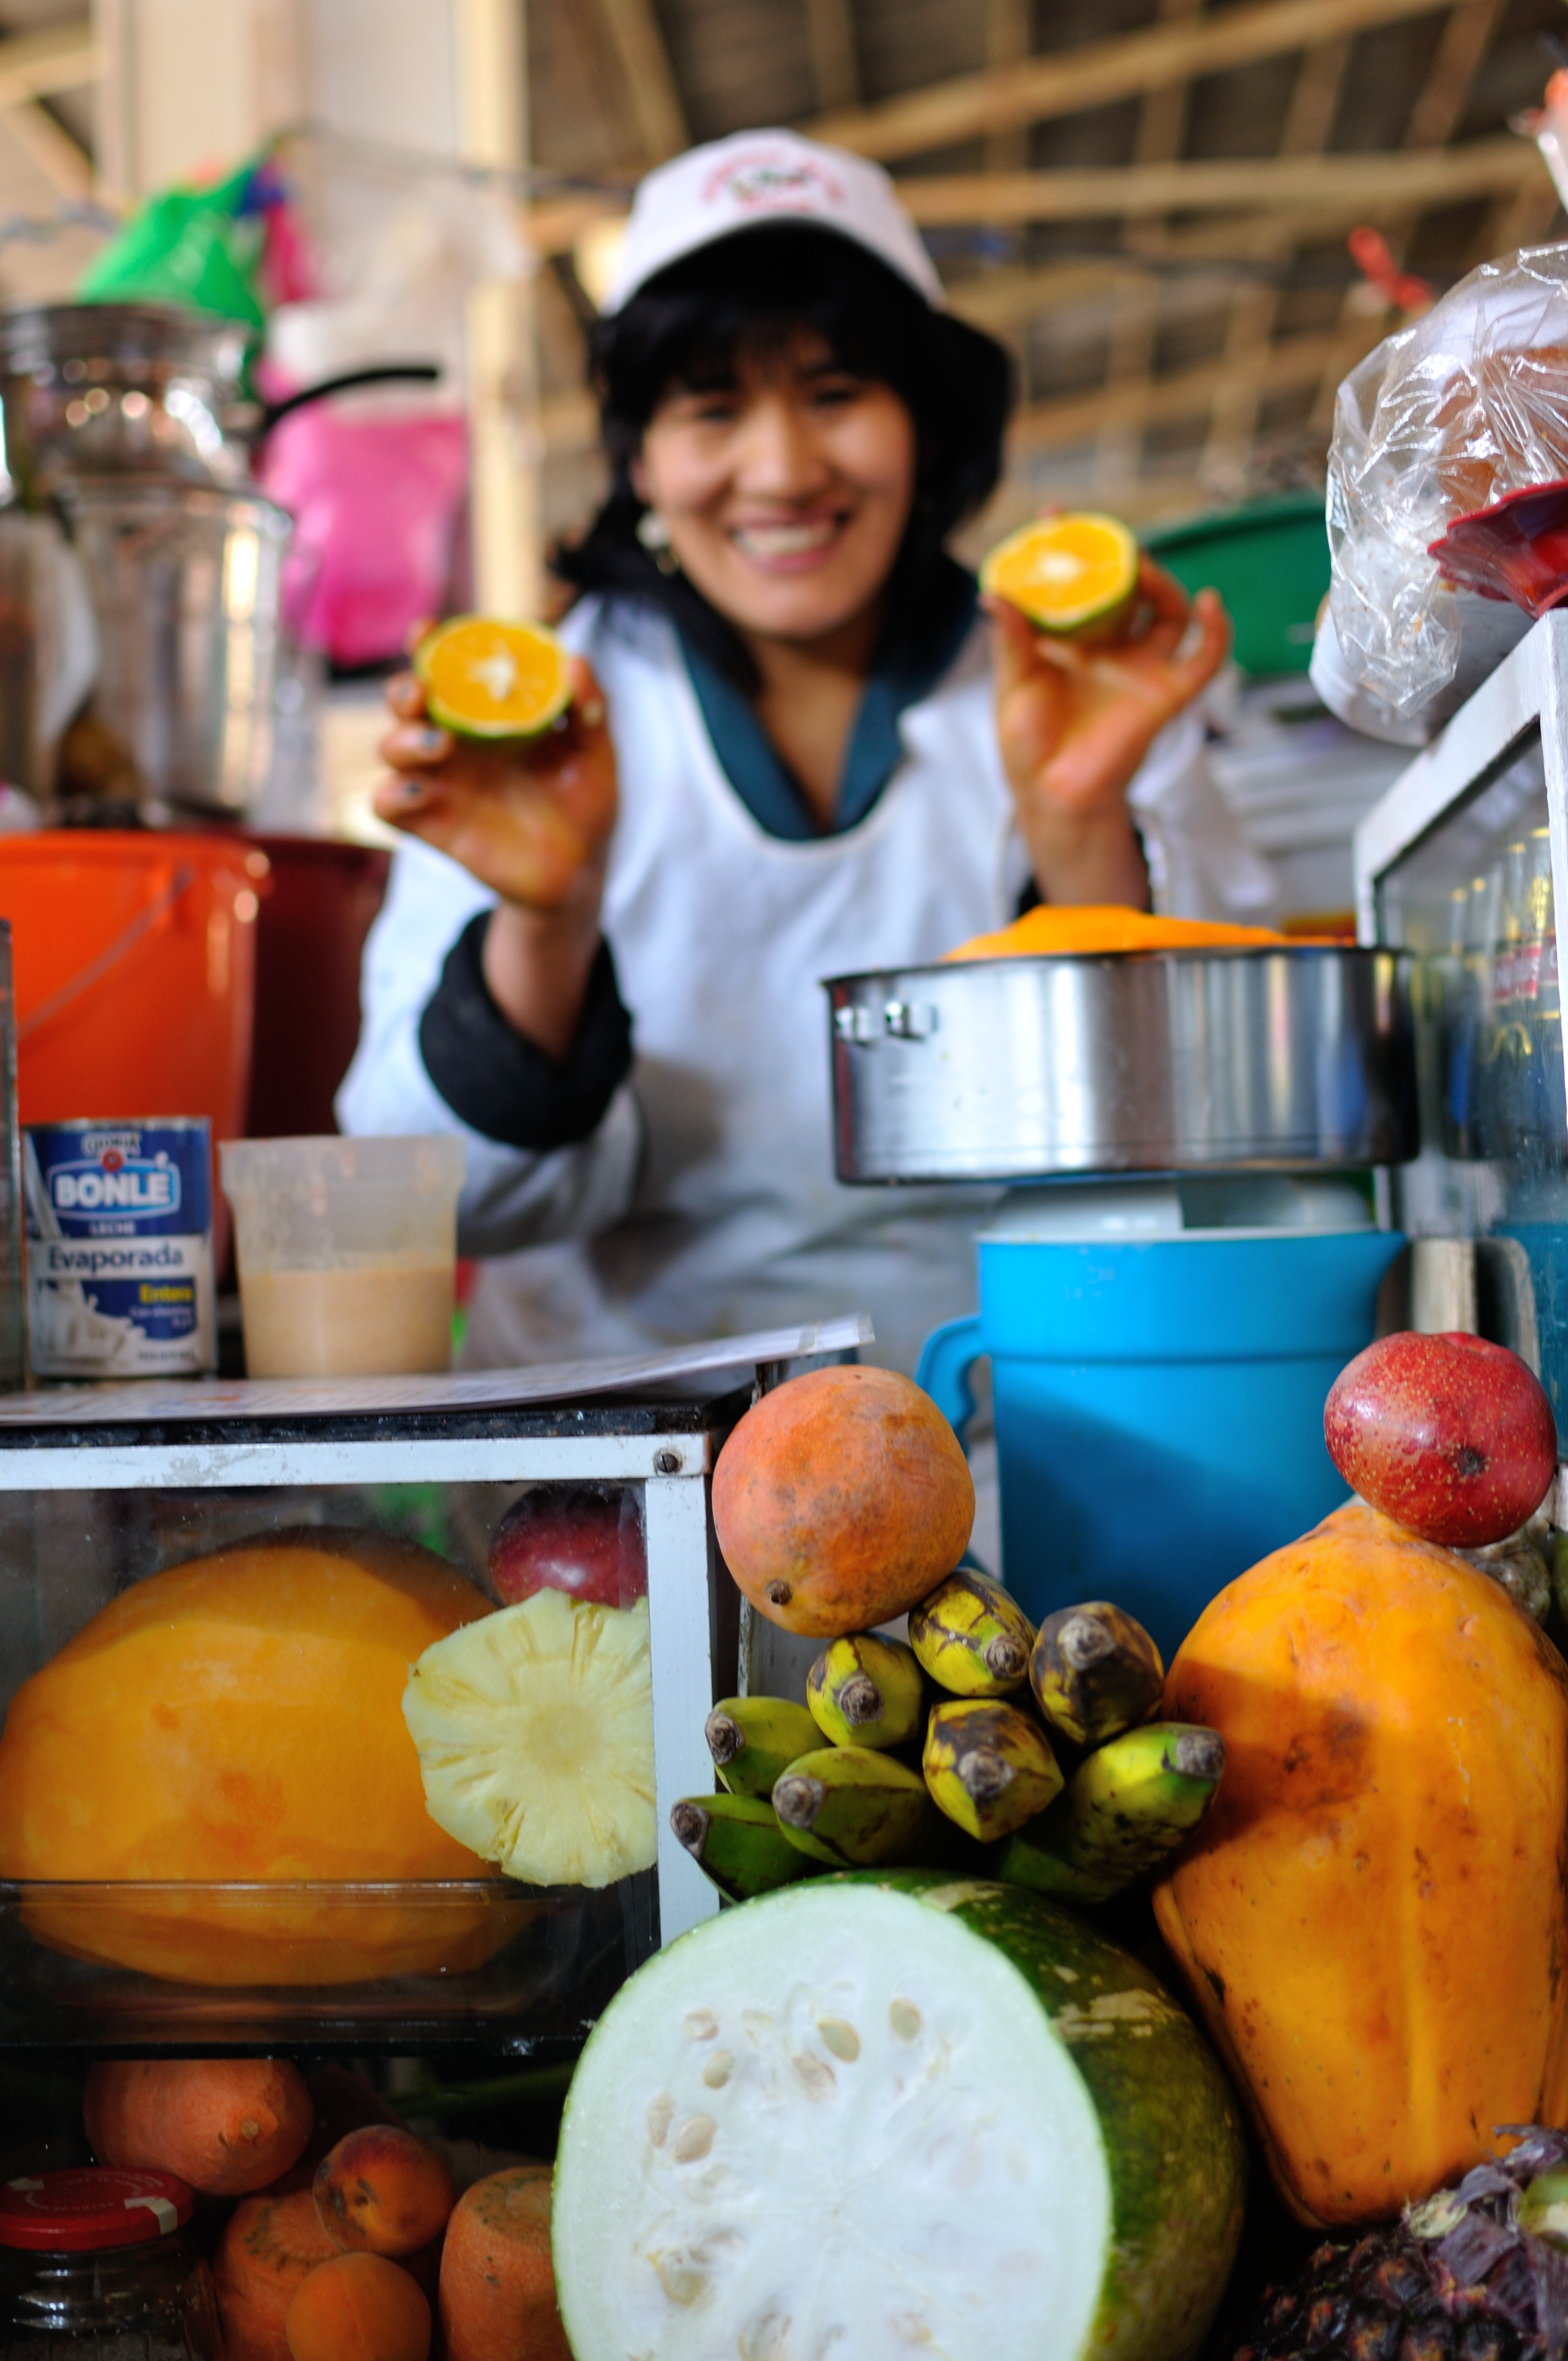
(532, 821)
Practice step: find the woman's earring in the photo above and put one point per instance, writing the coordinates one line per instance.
(654, 535)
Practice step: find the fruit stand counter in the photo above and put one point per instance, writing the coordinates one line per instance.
(355, 1713)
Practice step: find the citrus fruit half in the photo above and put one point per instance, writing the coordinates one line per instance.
(1069, 574)
(484, 678)
(1052, 929)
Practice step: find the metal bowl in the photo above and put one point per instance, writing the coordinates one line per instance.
(1125, 1061)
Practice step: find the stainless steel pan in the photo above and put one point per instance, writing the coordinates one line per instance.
(1131, 1061)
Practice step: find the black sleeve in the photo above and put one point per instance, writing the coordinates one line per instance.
(502, 1084)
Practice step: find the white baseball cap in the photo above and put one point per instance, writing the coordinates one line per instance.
(755, 178)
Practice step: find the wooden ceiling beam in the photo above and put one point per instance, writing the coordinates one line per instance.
(1446, 176)
(1008, 30)
(834, 50)
(37, 65)
(1130, 346)
(1284, 367)
(49, 147)
(1433, 119)
(1002, 98)
(1254, 310)
(653, 101)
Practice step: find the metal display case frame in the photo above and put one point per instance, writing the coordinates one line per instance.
(153, 1462)
(1485, 1202)
(1529, 691)
(668, 1448)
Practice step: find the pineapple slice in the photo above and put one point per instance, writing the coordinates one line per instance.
(534, 1732)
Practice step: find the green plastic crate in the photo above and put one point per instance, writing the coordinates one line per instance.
(1269, 562)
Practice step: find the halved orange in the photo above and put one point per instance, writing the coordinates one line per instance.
(1069, 574)
(485, 678)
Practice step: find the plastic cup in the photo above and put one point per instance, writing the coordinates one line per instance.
(347, 1253)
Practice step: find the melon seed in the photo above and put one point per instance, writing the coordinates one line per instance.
(841, 2038)
(681, 2284)
(702, 2024)
(817, 2076)
(904, 2019)
(694, 2139)
(718, 2069)
(660, 2115)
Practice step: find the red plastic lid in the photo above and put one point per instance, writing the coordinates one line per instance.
(98, 2205)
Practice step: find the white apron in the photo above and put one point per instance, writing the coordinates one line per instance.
(705, 1204)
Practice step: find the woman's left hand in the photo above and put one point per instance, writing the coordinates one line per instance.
(1074, 722)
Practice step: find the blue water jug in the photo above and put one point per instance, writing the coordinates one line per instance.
(1158, 1405)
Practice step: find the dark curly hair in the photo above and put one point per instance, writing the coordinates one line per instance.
(749, 292)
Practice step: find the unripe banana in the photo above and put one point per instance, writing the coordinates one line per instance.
(1095, 1673)
(988, 1766)
(866, 1691)
(1542, 2206)
(852, 1807)
(753, 1740)
(971, 1637)
(1126, 1807)
(736, 1841)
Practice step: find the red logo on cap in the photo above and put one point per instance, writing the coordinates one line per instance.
(768, 182)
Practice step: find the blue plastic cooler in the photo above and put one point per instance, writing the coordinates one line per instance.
(1159, 1405)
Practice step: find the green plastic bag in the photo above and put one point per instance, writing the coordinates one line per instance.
(197, 246)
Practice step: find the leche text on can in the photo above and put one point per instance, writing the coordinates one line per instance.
(119, 1221)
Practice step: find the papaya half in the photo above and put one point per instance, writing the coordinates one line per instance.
(203, 1783)
(1373, 1921)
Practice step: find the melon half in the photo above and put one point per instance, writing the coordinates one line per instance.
(234, 1724)
(888, 2114)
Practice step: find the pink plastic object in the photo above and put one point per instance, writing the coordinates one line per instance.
(375, 503)
(1514, 548)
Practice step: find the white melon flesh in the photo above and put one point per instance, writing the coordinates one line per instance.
(834, 2128)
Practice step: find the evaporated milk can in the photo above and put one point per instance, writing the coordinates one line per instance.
(119, 1248)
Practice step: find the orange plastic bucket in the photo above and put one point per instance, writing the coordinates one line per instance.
(134, 962)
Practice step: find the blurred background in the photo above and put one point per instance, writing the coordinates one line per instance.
(1150, 199)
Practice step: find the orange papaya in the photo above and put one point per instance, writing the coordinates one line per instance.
(1373, 1921)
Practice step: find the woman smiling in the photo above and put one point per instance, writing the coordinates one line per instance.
(795, 749)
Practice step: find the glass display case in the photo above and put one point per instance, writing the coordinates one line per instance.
(193, 1577)
(1463, 864)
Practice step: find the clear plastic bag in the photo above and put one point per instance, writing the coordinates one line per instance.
(1443, 418)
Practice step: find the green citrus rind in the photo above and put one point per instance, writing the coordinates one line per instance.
(1098, 617)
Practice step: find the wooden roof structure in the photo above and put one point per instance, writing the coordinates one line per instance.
(1149, 200)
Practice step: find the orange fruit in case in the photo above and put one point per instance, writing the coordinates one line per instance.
(1074, 576)
(1106, 926)
(230, 1724)
(484, 677)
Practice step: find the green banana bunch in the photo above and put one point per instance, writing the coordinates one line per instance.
(753, 1740)
(988, 1766)
(736, 1841)
(866, 1691)
(1125, 1808)
(1095, 1673)
(851, 1807)
(971, 1637)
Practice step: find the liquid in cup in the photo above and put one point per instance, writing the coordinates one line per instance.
(347, 1251)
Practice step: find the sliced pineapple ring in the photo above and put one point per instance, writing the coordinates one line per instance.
(534, 1732)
